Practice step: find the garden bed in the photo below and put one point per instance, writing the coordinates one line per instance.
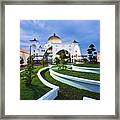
(36, 90)
(68, 92)
(91, 76)
(94, 65)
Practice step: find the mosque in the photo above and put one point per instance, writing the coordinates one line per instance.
(54, 47)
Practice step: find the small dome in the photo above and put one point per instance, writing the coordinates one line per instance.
(54, 39)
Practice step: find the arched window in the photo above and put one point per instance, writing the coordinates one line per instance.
(33, 46)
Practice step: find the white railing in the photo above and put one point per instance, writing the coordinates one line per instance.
(86, 69)
(90, 85)
(52, 94)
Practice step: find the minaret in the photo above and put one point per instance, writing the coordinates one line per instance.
(76, 52)
(33, 44)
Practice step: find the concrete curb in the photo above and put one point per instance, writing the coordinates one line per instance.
(86, 69)
(52, 94)
(90, 85)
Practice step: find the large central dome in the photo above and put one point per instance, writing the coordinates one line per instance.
(54, 39)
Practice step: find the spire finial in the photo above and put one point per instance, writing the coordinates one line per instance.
(74, 41)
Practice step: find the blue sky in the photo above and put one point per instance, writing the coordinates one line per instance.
(86, 32)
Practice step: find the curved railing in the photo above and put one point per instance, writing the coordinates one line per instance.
(90, 85)
(52, 94)
(86, 69)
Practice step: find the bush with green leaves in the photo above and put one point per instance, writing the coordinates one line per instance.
(43, 62)
(57, 61)
(61, 61)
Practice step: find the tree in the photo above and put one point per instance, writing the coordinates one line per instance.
(57, 61)
(43, 62)
(85, 60)
(63, 60)
(92, 54)
(30, 59)
(29, 72)
(92, 47)
(95, 57)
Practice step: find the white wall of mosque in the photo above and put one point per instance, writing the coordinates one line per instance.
(52, 48)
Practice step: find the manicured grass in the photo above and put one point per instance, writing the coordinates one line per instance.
(35, 91)
(96, 65)
(68, 92)
(91, 76)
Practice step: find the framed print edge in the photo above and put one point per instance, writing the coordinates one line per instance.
(2, 67)
(117, 56)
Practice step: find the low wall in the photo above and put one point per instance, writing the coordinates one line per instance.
(87, 98)
(90, 85)
(86, 69)
(52, 94)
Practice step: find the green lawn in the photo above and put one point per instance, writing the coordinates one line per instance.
(92, 76)
(68, 92)
(96, 65)
(35, 91)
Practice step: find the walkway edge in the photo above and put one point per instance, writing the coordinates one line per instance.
(90, 85)
(76, 78)
(52, 94)
(86, 69)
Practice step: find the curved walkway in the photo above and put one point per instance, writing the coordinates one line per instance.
(52, 94)
(90, 85)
